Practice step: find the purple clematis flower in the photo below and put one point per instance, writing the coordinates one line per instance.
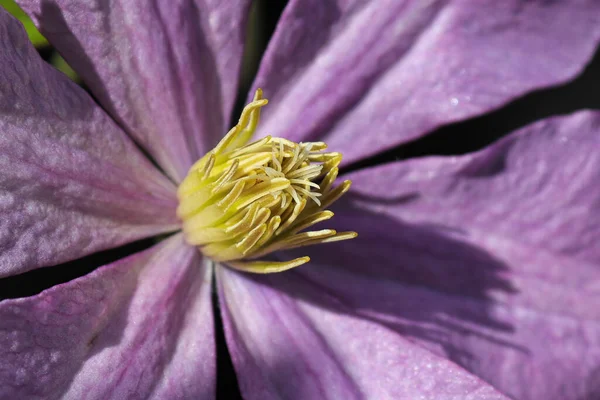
(474, 277)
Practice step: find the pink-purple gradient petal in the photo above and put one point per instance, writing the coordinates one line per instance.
(489, 259)
(368, 75)
(166, 70)
(285, 347)
(72, 182)
(139, 328)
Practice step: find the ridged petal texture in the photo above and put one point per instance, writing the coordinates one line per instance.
(71, 181)
(285, 347)
(166, 70)
(365, 76)
(470, 273)
(139, 328)
(489, 259)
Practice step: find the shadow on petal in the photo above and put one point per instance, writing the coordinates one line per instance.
(426, 282)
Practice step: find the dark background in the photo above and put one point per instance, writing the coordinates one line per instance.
(459, 138)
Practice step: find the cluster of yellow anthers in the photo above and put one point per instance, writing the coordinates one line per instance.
(243, 201)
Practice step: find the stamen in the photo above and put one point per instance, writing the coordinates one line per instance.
(226, 177)
(268, 267)
(245, 200)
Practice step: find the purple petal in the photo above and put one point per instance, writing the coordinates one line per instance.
(166, 70)
(71, 182)
(366, 76)
(285, 348)
(140, 327)
(490, 259)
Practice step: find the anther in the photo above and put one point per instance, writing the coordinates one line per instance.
(243, 200)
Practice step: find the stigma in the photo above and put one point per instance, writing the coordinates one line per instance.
(244, 200)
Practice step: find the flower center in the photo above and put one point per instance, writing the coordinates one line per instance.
(242, 201)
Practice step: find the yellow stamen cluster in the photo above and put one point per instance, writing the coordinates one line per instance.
(243, 201)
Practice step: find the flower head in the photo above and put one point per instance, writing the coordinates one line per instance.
(474, 276)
